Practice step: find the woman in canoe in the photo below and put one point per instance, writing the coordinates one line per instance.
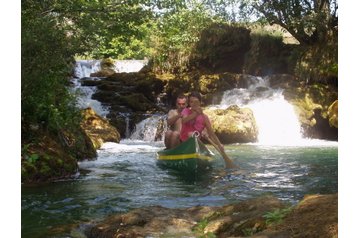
(194, 120)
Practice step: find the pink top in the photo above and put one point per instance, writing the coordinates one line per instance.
(197, 124)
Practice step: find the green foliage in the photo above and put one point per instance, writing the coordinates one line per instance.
(249, 231)
(33, 158)
(49, 40)
(310, 22)
(232, 10)
(199, 229)
(276, 216)
(46, 61)
(129, 45)
(315, 25)
(174, 37)
(28, 155)
(319, 63)
(201, 225)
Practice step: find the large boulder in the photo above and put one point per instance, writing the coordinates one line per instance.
(234, 124)
(98, 129)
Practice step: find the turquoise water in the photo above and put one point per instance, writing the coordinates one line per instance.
(126, 176)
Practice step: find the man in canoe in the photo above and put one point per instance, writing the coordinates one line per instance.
(194, 120)
(174, 123)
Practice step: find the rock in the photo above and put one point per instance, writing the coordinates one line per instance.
(283, 81)
(107, 68)
(218, 225)
(199, 221)
(46, 160)
(98, 129)
(315, 216)
(333, 114)
(103, 73)
(234, 124)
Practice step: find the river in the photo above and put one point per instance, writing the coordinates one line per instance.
(126, 176)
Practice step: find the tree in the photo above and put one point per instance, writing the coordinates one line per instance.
(309, 21)
(175, 35)
(46, 60)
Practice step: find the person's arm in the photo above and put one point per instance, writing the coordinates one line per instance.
(214, 140)
(195, 111)
(189, 117)
(211, 133)
(172, 117)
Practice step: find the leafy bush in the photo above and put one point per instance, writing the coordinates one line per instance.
(174, 38)
(46, 61)
(276, 216)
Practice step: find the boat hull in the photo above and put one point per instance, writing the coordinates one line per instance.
(191, 156)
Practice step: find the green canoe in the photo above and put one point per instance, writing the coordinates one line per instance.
(191, 156)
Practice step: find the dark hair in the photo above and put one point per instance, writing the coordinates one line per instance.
(195, 95)
(181, 96)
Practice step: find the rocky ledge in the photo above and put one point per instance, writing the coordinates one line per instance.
(264, 217)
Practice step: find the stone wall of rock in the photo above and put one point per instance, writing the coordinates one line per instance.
(234, 124)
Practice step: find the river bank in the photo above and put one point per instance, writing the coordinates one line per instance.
(264, 217)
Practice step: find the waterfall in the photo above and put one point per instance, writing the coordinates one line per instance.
(127, 132)
(150, 129)
(276, 119)
(84, 68)
(84, 98)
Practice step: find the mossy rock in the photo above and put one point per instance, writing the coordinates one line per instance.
(52, 161)
(108, 63)
(98, 129)
(333, 114)
(234, 124)
(137, 102)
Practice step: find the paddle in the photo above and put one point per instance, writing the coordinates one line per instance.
(228, 162)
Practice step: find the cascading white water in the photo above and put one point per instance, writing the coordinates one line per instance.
(84, 68)
(276, 119)
(84, 99)
(147, 129)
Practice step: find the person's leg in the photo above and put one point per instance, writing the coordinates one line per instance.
(167, 139)
(174, 139)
